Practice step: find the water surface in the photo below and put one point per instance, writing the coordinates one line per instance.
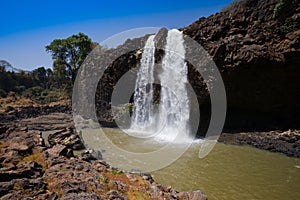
(227, 173)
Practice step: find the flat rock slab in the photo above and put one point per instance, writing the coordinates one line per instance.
(53, 121)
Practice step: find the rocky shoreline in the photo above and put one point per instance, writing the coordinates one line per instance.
(32, 168)
(286, 142)
(280, 141)
(24, 112)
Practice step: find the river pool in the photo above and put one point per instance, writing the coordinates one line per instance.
(228, 173)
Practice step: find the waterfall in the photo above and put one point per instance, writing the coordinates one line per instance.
(142, 119)
(172, 117)
(174, 102)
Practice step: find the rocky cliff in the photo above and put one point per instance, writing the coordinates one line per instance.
(254, 43)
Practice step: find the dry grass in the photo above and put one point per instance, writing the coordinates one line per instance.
(18, 102)
(15, 102)
(37, 157)
(136, 190)
(61, 102)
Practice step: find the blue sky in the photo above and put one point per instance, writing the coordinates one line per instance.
(28, 26)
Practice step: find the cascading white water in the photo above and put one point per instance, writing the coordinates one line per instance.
(142, 119)
(172, 117)
(174, 108)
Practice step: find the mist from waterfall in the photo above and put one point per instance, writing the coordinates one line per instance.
(170, 119)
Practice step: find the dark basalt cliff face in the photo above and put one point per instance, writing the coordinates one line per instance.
(256, 48)
(257, 51)
(248, 34)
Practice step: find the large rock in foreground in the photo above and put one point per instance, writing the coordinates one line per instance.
(68, 137)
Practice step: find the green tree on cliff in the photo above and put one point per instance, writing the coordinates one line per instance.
(68, 54)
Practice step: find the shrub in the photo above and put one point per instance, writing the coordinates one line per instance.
(32, 92)
(19, 89)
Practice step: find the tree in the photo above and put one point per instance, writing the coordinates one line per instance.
(68, 54)
(40, 73)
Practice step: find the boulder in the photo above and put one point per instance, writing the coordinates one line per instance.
(57, 151)
(91, 154)
(23, 170)
(192, 195)
(68, 137)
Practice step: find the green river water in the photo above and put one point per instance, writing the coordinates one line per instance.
(227, 173)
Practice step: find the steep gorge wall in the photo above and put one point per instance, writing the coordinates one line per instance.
(259, 63)
(258, 57)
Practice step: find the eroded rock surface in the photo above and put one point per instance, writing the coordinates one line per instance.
(31, 170)
(286, 142)
(68, 137)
